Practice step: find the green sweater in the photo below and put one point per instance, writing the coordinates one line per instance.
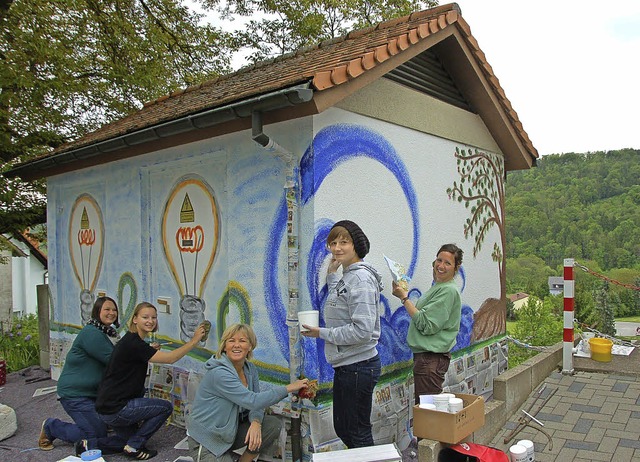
(435, 326)
(85, 363)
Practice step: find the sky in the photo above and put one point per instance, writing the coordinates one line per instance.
(570, 68)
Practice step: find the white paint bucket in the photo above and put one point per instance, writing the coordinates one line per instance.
(530, 452)
(310, 318)
(518, 453)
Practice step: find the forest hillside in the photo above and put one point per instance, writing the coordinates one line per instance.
(582, 206)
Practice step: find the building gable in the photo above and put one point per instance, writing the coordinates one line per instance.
(431, 51)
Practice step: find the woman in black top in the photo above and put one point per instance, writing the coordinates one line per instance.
(120, 401)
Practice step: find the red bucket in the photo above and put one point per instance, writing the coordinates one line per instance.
(3, 372)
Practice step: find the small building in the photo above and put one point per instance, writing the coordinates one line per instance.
(519, 299)
(24, 267)
(215, 201)
(556, 285)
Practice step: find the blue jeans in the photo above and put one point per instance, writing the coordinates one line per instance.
(152, 413)
(88, 426)
(352, 395)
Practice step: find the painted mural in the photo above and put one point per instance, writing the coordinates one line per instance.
(481, 189)
(190, 237)
(86, 247)
(214, 227)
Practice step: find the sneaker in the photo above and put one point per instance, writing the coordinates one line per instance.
(44, 442)
(80, 447)
(139, 454)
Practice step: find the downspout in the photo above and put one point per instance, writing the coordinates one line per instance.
(292, 195)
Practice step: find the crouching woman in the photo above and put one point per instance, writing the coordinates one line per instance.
(228, 409)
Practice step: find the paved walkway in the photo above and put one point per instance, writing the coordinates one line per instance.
(627, 329)
(594, 414)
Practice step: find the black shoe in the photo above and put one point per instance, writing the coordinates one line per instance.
(141, 454)
(80, 447)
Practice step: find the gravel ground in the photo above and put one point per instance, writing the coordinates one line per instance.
(18, 393)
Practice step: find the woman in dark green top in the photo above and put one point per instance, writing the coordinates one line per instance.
(78, 385)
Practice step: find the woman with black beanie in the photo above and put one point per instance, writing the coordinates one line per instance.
(351, 332)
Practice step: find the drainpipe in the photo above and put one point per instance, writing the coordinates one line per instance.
(292, 196)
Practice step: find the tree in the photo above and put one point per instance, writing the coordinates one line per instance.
(69, 66)
(526, 271)
(511, 310)
(287, 25)
(481, 188)
(537, 326)
(603, 299)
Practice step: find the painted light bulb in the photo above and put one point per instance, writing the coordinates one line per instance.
(86, 244)
(190, 233)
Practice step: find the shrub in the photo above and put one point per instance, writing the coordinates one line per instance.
(537, 326)
(19, 345)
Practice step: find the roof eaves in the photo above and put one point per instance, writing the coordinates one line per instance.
(345, 71)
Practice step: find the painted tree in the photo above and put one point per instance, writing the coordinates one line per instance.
(481, 189)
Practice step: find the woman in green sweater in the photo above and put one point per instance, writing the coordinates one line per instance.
(78, 385)
(435, 322)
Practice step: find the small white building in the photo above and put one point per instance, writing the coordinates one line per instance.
(25, 268)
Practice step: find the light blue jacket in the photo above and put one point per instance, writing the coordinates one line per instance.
(213, 420)
(352, 315)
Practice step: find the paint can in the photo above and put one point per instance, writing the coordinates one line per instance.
(518, 453)
(530, 450)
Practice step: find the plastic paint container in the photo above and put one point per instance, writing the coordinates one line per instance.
(455, 405)
(530, 450)
(600, 349)
(518, 453)
(426, 399)
(91, 454)
(310, 318)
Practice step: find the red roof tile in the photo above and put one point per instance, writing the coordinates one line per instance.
(329, 64)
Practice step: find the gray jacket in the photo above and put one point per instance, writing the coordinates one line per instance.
(352, 315)
(213, 420)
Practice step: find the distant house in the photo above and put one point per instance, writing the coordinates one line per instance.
(25, 268)
(556, 285)
(519, 299)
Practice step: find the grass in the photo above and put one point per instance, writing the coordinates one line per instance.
(629, 319)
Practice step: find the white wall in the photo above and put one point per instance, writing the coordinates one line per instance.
(26, 273)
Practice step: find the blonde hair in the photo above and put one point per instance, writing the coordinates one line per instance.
(233, 330)
(136, 311)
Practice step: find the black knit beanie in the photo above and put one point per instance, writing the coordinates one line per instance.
(360, 241)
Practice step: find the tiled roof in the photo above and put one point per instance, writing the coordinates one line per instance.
(327, 65)
(518, 296)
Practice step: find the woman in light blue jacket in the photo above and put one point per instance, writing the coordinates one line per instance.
(228, 410)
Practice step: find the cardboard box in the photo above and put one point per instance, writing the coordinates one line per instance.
(446, 427)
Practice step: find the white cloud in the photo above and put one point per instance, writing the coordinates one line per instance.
(568, 67)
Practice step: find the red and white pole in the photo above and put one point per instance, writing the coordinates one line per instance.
(567, 335)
